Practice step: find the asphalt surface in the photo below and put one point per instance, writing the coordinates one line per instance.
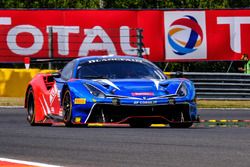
(224, 114)
(199, 146)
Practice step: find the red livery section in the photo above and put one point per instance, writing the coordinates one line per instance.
(45, 96)
(219, 34)
(5, 162)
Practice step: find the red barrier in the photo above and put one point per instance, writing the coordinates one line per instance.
(168, 35)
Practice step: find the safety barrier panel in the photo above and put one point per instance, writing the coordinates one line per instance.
(13, 82)
(223, 86)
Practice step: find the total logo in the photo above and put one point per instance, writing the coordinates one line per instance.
(195, 34)
(185, 35)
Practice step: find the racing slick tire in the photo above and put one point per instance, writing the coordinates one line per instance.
(31, 107)
(67, 108)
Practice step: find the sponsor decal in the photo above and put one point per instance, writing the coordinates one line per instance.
(80, 101)
(142, 93)
(78, 120)
(183, 47)
(64, 32)
(185, 35)
(110, 58)
(235, 24)
(145, 102)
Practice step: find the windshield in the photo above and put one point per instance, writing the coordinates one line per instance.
(119, 70)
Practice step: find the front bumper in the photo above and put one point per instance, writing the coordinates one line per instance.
(110, 113)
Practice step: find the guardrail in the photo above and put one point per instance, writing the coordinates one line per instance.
(220, 86)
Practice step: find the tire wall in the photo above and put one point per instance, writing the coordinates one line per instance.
(13, 82)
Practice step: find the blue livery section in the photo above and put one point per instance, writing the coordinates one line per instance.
(106, 96)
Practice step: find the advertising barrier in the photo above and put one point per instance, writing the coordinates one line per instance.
(168, 35)
(13, 82)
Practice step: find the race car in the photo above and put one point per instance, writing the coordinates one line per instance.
(111, 90)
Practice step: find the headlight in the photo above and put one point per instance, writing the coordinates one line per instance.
(94, 91)
(182, 91)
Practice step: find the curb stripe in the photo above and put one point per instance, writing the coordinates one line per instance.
(158, 125)
(20, 162)
(224, 121)
(164, 125)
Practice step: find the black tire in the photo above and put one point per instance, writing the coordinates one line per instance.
(139, 124)
(67, 108)
(31, 114)
(180, 121)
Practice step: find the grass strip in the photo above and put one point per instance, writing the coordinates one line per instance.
(11, 101)
(223, 104)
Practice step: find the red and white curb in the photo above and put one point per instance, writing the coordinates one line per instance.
(6, 162)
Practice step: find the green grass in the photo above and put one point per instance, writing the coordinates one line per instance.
(223, 104)
(19, 101)
(11, 101)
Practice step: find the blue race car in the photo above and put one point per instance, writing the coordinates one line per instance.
(111, 89)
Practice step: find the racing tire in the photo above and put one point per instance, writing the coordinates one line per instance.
(31, 115)
(67, 108)
(139, 124)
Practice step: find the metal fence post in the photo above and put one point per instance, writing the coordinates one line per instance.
(139, 42)
(50, 43)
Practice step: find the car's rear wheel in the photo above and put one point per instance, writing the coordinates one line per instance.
(31, 107)
(180, 121)
(67, 108)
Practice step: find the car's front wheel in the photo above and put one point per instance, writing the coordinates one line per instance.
(67, 108)
(30, 107)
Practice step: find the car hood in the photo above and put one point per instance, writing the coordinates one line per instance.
(142, 88)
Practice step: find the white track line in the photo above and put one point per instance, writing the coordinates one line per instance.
(27, 163)
(11, 106)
